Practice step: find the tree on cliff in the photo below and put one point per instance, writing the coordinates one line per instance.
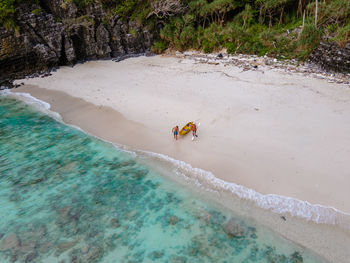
(166, 8)
(7, 10)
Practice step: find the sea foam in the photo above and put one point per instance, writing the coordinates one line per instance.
(276, 203)
(40, 105)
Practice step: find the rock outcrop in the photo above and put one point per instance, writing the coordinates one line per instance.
(332, 57)
(57, 32)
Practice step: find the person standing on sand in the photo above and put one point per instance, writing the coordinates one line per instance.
(175, 131)
(194, 130)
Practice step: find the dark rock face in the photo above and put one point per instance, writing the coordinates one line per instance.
(332, 57)
(63, 34)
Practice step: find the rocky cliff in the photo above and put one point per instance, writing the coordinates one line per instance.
(50, 33)
(57, 32)
(332, 57)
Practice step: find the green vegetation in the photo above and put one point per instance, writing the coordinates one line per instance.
(7, 10)
(82, 3)
(279, 28)
(272, 27)
(36, 11)
(159, 46)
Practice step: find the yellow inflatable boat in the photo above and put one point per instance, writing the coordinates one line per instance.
(186, 129)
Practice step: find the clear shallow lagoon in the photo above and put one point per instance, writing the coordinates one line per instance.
(66, 196)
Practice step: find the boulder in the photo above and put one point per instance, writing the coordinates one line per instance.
(233, 229)
(11, 242)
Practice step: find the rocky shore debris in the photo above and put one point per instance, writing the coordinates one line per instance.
(329, 55)
(261, 64)
(126, 56)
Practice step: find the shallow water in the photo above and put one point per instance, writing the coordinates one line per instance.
(68, 197)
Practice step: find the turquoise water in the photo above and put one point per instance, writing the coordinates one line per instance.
(68, 197)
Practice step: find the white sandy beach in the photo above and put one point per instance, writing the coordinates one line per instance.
(274, 132)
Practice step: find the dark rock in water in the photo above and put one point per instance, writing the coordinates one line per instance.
(253, 236)
(204, 217)
(30, 257)
(45, 247)
(94, 253)
(132, 214)
(109, 243)
(2, 235)
(65, 212)
(75, 259)
(233, 229)
(27, 247)
(115, 223)
(177, 259)
(64, 246)
(42, 231)
(85, 249)
(139, 174)
(216, 217)
(156, 255)
(11, 242)
(13, 258)
(75, 256)
(220, 55)
(173, 220)
(296, 257)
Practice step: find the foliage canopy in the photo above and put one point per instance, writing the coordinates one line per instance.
(273, 27)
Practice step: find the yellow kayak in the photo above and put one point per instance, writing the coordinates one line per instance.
(186, 129)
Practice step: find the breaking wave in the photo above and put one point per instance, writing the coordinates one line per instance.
(276, 203)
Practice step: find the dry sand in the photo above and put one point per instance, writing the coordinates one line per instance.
(274, 132)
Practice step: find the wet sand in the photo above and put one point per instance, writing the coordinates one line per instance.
(273, 132)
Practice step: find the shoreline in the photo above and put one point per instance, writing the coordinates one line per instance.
(264, 137)
(76, 116)
(327, 240)
(274, 132)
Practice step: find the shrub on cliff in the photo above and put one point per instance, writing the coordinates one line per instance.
(343, 35)
(279, 28)
(7, 10)
(159, 46)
